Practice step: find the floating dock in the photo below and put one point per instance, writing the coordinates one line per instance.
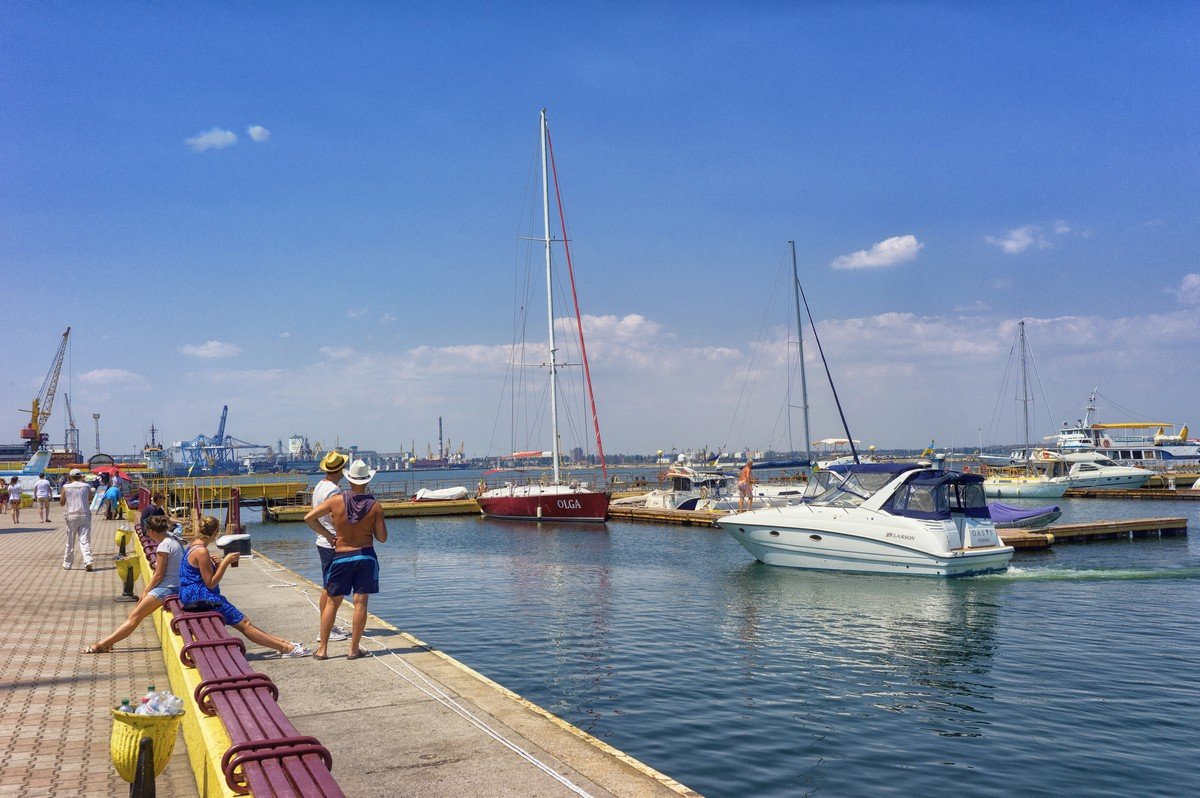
(391, 509)
(1040, 538)
(1161, 494)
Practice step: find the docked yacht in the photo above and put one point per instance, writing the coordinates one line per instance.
(895, 518)
(1094, 471)
(687, 488)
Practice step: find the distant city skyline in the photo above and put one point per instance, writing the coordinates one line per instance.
(317, 226)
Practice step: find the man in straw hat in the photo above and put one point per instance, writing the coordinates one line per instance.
(358, 519)
(332, 464)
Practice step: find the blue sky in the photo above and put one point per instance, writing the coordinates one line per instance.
(347, 272)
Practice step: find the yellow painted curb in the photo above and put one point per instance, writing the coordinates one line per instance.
(204, 736)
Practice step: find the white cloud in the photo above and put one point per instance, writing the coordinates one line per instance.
(258, 133)
(336, 352)
(1061, 227)
(1189, 289)
(215, 139)
(285, 334)
(1019, 239)
(888, 252)
(355, 313)
(110, 377)
(387, 318)
(210, 350)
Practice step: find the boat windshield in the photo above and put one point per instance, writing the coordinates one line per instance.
(855, 489)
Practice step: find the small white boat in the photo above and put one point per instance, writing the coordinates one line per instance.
(442, 495)
(893, 518)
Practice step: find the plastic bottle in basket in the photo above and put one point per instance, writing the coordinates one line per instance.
(125, 707)
(150, 693)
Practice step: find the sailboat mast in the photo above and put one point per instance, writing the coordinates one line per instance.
(1024, 386)
(550, 306)
(800, 341)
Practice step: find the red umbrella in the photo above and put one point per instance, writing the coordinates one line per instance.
(111, 469)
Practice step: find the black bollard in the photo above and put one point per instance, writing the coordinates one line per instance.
(143, 775)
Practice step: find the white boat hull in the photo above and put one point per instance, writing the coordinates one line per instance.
(1024, 489)
(820, 548)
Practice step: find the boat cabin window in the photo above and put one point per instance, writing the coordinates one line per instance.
(922, 499)
(681, 483)
(1104, 461)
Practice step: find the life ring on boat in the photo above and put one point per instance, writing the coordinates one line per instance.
(1106, 442)
(966, 469)
(1045, 454)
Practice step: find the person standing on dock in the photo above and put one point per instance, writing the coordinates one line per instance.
(76, 496)
(746, 487)
(41, 494)
(332, 464)
(14, 499)
(358, 519)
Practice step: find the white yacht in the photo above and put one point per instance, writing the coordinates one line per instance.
(687, 488)
(1094, 471)
(894, 518)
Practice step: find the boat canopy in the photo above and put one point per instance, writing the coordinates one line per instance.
(936, 495)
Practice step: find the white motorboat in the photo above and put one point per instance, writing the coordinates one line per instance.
(893, 518)
(687, 488)
(1092, 470)
(1133, 443)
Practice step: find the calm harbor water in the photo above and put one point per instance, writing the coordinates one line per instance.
(1075, 673)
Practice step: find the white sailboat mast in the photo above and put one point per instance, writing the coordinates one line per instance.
(803, 378)
(550, 307)
(1024, 388)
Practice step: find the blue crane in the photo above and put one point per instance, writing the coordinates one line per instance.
(218, 454)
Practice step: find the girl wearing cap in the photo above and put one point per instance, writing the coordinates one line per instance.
(198, 589)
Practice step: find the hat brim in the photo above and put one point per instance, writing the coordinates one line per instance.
(362, 480)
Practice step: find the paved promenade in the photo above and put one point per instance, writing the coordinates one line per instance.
(407, 721)
(54, 701)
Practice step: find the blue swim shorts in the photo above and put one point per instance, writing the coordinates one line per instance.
(353, 572)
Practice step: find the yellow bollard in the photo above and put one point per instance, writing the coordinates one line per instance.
(122, 539)
(127, 573)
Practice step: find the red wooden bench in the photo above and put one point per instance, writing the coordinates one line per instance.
(268, 755)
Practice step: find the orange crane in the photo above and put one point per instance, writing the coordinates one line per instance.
(43, 403)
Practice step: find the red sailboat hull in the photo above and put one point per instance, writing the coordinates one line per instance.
(548, 507)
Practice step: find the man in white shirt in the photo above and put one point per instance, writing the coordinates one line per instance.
(76, 496)
(332, 464)
(41, 494)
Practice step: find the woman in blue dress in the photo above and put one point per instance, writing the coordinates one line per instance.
(198, 590)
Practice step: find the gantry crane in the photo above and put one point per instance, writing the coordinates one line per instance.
(43, 403)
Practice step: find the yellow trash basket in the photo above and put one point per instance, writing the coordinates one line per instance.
(127, 732)
(122, 537)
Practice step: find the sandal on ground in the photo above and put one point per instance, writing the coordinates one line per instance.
(97, 649)
(359, 655)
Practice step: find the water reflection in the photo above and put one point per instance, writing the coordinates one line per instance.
(896, 644)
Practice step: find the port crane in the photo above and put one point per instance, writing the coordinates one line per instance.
(43, 403)
(218, 453)
(72, 436)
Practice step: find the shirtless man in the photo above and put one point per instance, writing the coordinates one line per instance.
(358, 519)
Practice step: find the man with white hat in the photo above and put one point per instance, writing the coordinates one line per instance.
(76, 496)
(332, 464)
(358, 519)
